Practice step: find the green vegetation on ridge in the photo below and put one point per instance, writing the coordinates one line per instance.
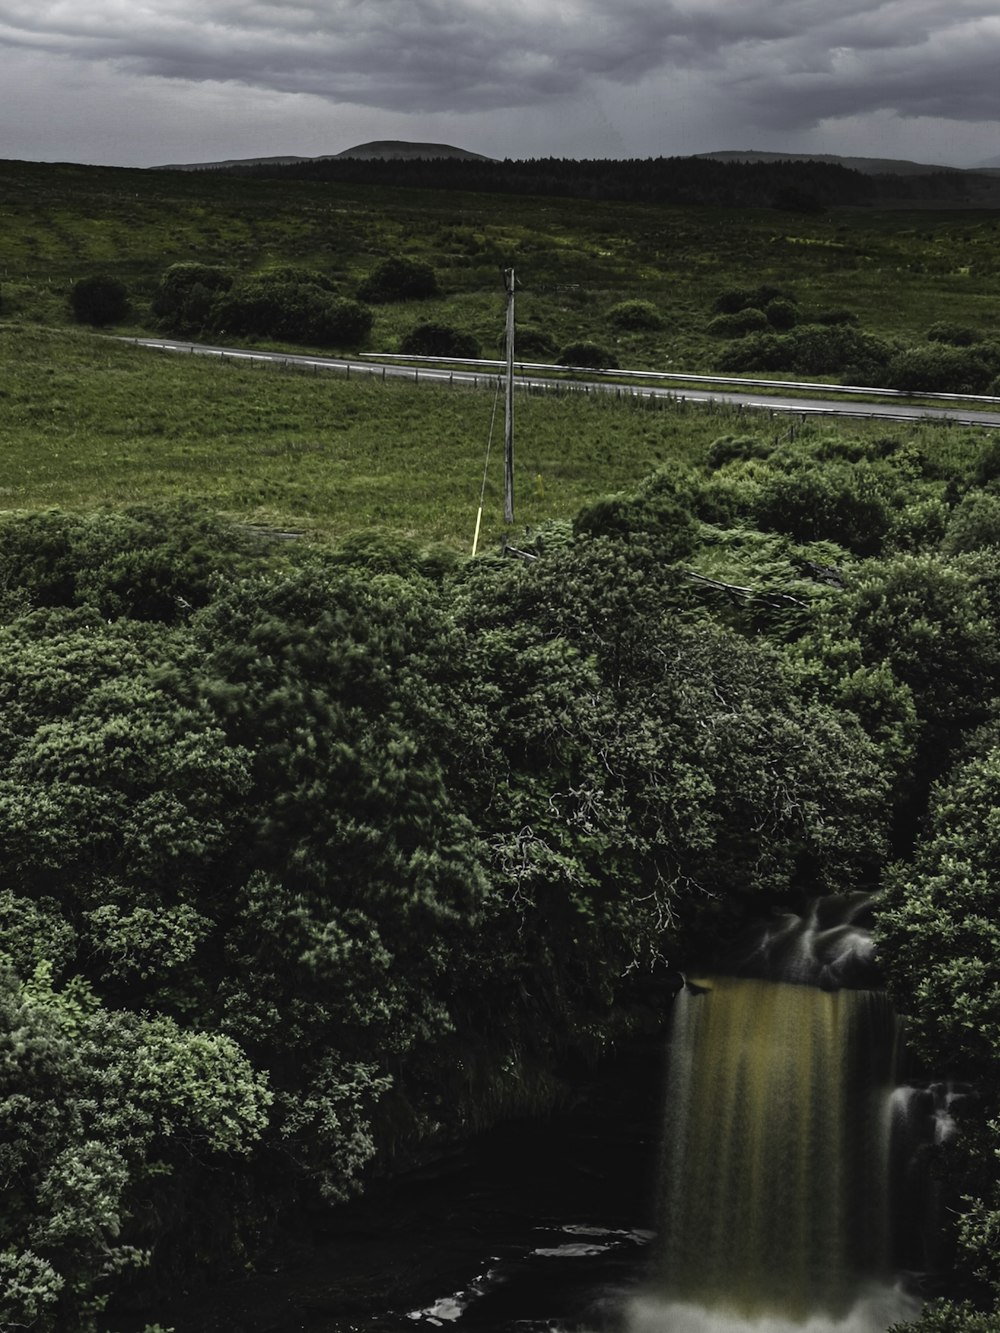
(359, 849)
(577, 261)
(315, 854)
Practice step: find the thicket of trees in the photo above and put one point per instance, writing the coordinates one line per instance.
(288, 303)
(99, 300)
(766, 330)
(310, 858)
(800, 186)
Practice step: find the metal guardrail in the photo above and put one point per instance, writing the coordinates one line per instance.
(804, 386)
(636, 382)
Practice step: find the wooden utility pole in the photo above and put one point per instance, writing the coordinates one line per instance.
(508, 435)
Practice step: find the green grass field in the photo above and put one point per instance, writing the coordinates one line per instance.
(899, 271)
(90, 421)
(86, 420)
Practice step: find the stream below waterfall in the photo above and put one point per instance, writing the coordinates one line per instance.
(533, 1226)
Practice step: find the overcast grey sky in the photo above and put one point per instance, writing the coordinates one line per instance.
(141, 82)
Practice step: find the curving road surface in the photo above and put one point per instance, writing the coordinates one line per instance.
(959, 411)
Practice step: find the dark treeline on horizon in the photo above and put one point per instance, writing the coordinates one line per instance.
(661, 180)
(801, 186)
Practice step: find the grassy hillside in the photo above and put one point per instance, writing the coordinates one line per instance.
(91, 421)
(87, 421)
(898, 271)
(315, 862)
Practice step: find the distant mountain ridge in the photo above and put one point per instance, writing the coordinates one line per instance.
(378, 150)
(386, 150)
(403, 150)
(728, 178)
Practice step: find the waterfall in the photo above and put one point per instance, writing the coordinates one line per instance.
(783, 1125)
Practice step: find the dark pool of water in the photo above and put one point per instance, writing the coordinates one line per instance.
(534, 1227)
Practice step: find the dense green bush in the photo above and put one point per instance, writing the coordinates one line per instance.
(656, 514)
(435, 339)
(938, 941)
(973, 523)
(748, 320)
(99, 300)
(325, 854)
(295, 276)
(987, 465)
(732, 300)
(919, 525)
(399, 279)
(735, 299)
(958, 335)
(731, 448)
(833, 317)
(531, 341)
(635, 316)
(943, 368)
(781, 314)
(151, 564)
(185, 293)
(930, 620)
(589, 355)
(305, 825)
(266, 306)
(109, 1106)
(811, 349)
(836, 503)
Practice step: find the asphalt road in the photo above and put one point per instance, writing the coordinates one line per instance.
(706, 391)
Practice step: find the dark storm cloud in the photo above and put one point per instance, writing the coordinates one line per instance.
(945, 69)
(785, 63)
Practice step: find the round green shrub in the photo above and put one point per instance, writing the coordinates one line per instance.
(733, 448)
(781, 314)
(973, 524)
(299, 277)
(834, 317)
(588, 355)
(531, 341)
(735, 299)
(342, 323)
(99, 300)
(919, 526)
(738, 325)
(942, 368)
(433, 339)
(185, 295)
(811, 349)
(841, 503)
(732, 300)
(300, 313)
(958, 335)
(177, 282)
(635, 316)
(399, 279)
(670, 526)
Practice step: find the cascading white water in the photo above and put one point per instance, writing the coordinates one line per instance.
(782, 1129)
